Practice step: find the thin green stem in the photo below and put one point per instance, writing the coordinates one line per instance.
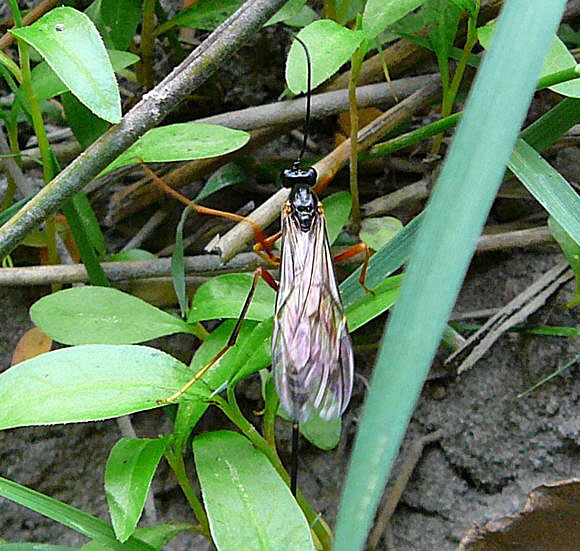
(39, 129)
(8, 62)
(178, 467)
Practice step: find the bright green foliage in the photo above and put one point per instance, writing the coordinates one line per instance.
(116, 20)
(548, 186)
(249, 506)
(291, 9)
(89, 526)
(379, 14)
(330, 46)
(87, 383)
(101, 315)
(128, 474)
(181, 142)
(203, 14)
(377, 232)
(71, 45)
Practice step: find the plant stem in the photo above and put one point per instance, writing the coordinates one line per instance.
(178, 466)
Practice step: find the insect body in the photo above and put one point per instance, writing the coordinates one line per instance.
(312, 352)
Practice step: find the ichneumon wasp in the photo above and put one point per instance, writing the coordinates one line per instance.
(312, 356)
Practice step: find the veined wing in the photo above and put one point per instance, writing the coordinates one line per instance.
(312, 353)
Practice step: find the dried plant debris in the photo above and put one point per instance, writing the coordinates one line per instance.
(549, 521)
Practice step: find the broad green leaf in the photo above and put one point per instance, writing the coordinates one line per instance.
(181, 142)
(248, 505)
(204, 14)
(131, 254)
(254, 352)
(85, 125)
(47, 84)
(371, 306)
(376, 232)
(548, 186)
(225, 176)
(304, 17)
(87, 383)
(322, 433)
(470, 177)
(336, 210)
(571, 250)
(71, 45)
(330, 46)
(223, 297)
(558, 59)
(444, 17)
(290, 9)
(116, 20)
(102, 315)
(83, 523)
(177, 264)
(379, 14)
(190, 411)
(128, 474)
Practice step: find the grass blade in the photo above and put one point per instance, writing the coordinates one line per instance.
(466, 188)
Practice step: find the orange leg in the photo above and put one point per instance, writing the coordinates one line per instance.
(269, 241)
(353, 251)
(259, 273)
(256, 229)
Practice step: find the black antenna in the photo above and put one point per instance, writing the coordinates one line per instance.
(294, 458)
(308, 94)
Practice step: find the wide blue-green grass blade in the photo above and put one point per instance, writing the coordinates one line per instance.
(452, 223)
(78, 520)
(548, 186)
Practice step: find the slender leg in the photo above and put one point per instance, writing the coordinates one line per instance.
(294, 458)
(269, 241)
(256, 229)
(259, 273)
(352, 251)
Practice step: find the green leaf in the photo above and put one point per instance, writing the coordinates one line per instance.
(83, 523)
(225, 176)
(289, 10)
(34, 547)
(249, 506)
(336, 211)
(177, 264)
(131, 254)
(444, 17)
(376, 232)
(255, 351)
(548, 186)
(89, 222)
(304, 17)
(370, 306)
(379, 14)
(190, 411)
(204, 14)
(116, 20)
(128, 474)
(181, 142)
(322, 433)
(71, 45)
(102, 315)
(47, 84)
(86, 126)
(571, 251)
(223, 297)
(87, 383)
(330, 46)
(470, 177)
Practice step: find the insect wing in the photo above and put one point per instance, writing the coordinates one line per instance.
(312, 353)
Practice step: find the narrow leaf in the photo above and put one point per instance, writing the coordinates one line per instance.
(102, 315)
(83, 523)
(71, 45)
(177, 264)
(128, 474)
(548, 186)
(249, 506)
